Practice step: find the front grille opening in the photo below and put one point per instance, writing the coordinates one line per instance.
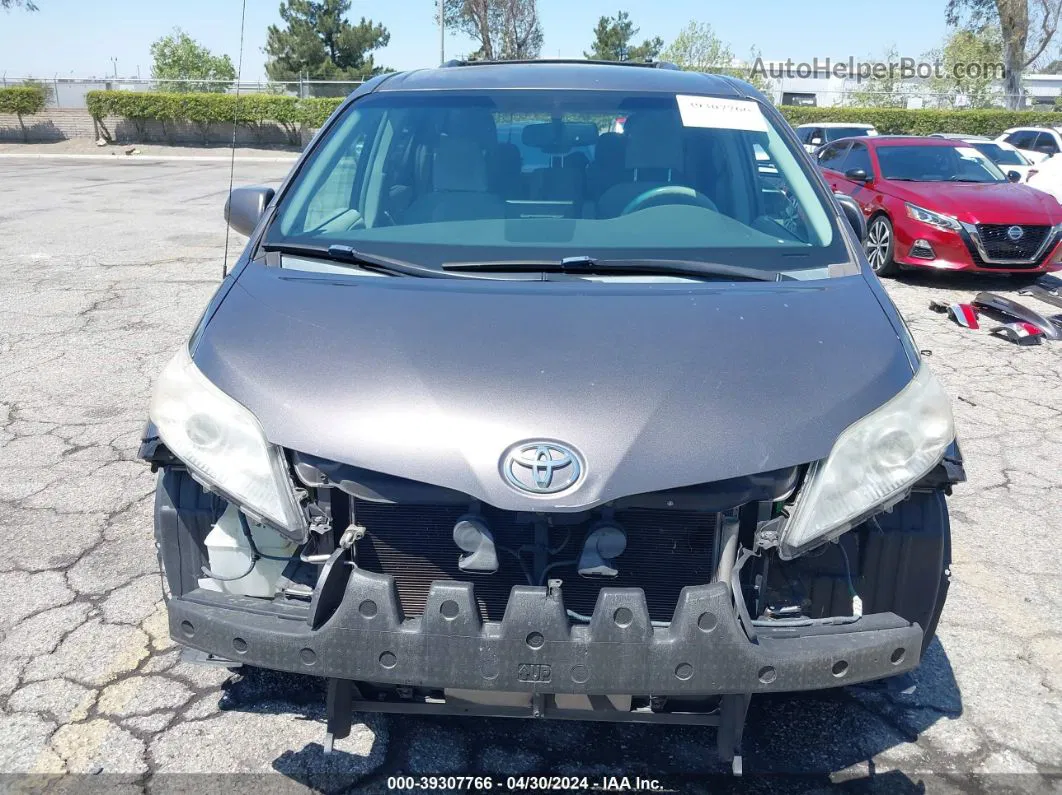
(666, 551)
(999, 245)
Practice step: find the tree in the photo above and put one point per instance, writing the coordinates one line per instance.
(506, 30)
(320, 44)
(697, 49)
(612, 41)
(1026, 27)
(883, 89)
(1053, 68)
(963, 60)
(180, 57)
(7, 5)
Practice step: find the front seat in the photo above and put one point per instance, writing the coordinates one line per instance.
(654, 158)
(459, 186)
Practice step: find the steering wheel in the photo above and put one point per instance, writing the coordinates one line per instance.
(681, 192)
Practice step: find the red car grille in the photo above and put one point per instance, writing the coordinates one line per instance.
(999, 246)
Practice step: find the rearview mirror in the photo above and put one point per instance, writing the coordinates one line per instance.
(1013, 176)
(856, 175)
(854, 214)
(245, 206)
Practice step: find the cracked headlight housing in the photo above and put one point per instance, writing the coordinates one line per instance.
(872, 465)
(223, 445)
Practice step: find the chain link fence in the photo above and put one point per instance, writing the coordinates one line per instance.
(70, 92)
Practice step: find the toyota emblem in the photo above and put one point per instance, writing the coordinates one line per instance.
(541, 467)
(1015, 233)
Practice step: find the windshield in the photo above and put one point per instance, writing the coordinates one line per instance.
(443, 177)
(837, 133)
(937, 164)
(1000, 155)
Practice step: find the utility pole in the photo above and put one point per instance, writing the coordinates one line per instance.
(442, 33)
(115, 62)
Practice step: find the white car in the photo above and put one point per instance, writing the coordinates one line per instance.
(815, 135)
(1004, 155)
(1047, 176)
(1036, 143)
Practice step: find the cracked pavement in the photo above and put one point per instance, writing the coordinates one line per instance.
(106, 268)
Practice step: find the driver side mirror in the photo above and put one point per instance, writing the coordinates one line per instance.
(245, 206)
(857, 175)
(854, 214)
(1013, 176)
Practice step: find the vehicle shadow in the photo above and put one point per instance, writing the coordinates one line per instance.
(971, 282)
(793, 743)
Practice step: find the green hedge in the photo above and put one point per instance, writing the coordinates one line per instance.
(21, 100)
(203, 110)
(898, 121)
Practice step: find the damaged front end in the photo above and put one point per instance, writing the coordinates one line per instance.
(672, 606)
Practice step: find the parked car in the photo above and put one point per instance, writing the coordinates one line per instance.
(1007, 157)
(815, 135)
(1036, 143)
(636, 451)
(1047, 177)
(935, 203)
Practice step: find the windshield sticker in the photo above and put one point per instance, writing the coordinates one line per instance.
(721, 114)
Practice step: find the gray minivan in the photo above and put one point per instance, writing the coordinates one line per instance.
(629, 431)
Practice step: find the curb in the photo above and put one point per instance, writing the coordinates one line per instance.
(130, 158)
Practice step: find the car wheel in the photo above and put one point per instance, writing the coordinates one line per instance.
(879, 247)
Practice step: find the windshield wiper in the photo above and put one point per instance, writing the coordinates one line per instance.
(624, 267)
(374, 262)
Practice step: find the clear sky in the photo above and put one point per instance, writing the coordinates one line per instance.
(78, 38)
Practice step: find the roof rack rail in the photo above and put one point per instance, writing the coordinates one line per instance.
(576, 61)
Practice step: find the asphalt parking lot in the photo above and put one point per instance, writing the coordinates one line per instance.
(104, 269)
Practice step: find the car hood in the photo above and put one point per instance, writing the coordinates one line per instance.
(995, 203)
(655, 386)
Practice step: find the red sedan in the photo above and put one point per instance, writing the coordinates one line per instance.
(936, 203)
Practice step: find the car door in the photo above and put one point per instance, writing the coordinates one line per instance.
(830, 159)
(865, 193)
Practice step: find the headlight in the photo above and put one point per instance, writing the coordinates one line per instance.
(932, 218)
(221, 442)
(873, 461)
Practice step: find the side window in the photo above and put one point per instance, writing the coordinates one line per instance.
(832, 156)
(816, 137)
(1046, 143)
(804, 134)
(858, 157)
(1023, 139)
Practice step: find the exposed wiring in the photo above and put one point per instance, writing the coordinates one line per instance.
(586, 620)
(219, 578)
(848, 571)
(857, 602)
(250, 540)
(520, 560)
(563, 544)
(551, 566)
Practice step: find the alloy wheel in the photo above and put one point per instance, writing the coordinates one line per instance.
(879, 240)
